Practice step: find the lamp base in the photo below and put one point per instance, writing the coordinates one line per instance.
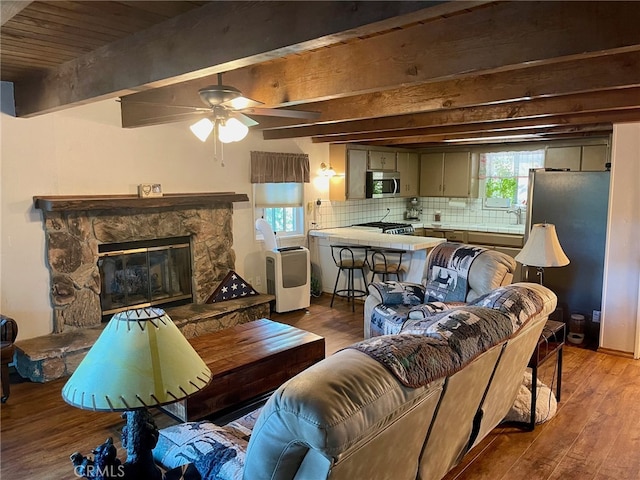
(139, 437)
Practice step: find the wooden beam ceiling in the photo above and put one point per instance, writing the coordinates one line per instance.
(216, 37)
(385, 73)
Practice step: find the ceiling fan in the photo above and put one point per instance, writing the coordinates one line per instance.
(226, 107)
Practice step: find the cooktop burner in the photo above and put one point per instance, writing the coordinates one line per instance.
(389, 227)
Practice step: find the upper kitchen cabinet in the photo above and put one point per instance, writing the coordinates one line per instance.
(379, 160)
(351, 166)
(408, 164)
(594, 158)
(587, 158)
(446, 174)
(563, 157)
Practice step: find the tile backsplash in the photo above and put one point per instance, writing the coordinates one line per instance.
(452, 210)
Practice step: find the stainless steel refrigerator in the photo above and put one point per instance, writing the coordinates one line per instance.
(577, 204)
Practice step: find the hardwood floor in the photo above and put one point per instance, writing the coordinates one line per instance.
(594, 435)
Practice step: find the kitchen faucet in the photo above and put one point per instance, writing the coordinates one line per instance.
(517, 211)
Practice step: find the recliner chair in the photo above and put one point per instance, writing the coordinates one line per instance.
(393, 303)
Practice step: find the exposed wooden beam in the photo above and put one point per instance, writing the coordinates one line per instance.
(393, 137)
(604, 72)
(619, 99)
(632, 115)
(597, 129)
(462, 45)
(576, 76)
(10, 8)
(217, 37)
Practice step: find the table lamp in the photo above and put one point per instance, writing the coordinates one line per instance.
(140, 360)
(542, 249)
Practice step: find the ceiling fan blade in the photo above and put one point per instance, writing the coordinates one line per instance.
(249, 122)
(241, 102)
(277, 112)
(165, 105)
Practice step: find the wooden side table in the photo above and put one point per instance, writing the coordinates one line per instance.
(550, 342)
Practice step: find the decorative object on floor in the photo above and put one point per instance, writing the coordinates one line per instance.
(140, 360)
(542, 249)
(546, 405)
(232, 286)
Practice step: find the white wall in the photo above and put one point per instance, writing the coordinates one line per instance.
(620, 328)
(85, 151)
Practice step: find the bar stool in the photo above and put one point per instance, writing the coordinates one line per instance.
(349, 258)
(386, 262)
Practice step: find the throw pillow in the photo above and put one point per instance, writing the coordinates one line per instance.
(215, 451)
(397, 293)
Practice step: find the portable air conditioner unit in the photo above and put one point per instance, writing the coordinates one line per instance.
(289, 278)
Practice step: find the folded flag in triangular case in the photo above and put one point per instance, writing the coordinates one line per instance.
(232, 286)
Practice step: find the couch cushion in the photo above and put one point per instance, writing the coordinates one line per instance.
(397, 293)
(520, 302)
(388, 319)
(428, 309)
(490, 270)
(216, 452)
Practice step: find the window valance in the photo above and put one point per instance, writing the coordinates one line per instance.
(275, 167)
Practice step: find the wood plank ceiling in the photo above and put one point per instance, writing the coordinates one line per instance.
(411, 74)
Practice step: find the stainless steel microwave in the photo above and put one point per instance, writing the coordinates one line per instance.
(382, 184)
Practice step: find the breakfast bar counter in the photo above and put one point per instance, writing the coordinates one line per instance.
(416, 246)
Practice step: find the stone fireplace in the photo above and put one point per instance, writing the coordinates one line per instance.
(77, 227)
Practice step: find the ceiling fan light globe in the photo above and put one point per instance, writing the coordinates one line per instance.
(232, 131)
(202, 129)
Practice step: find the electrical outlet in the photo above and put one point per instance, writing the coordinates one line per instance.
(595, 317)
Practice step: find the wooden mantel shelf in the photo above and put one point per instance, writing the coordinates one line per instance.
(109, 202)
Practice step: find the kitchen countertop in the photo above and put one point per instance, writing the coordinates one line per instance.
(513, 229)
(359, 236)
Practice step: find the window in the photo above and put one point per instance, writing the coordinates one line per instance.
(280, 204)
(504, 176)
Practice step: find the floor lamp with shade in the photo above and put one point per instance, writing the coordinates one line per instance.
(542, 249)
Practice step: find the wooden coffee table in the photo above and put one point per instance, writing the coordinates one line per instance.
(247, 361)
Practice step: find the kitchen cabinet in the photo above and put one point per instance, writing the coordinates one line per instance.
(563, 157)
(408, 164)
(351, 184)
(594, 158)
(382, 161)
(578, 158)
(445, 174)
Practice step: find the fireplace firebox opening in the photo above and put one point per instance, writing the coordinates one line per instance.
(144, 273)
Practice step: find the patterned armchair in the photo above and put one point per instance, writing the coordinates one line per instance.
(456, 274)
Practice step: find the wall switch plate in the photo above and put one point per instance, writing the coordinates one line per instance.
(258, 281)
(595, 317)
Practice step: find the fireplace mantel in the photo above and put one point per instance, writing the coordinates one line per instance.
(58, 203)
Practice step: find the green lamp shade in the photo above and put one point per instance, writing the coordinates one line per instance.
(141, 359)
